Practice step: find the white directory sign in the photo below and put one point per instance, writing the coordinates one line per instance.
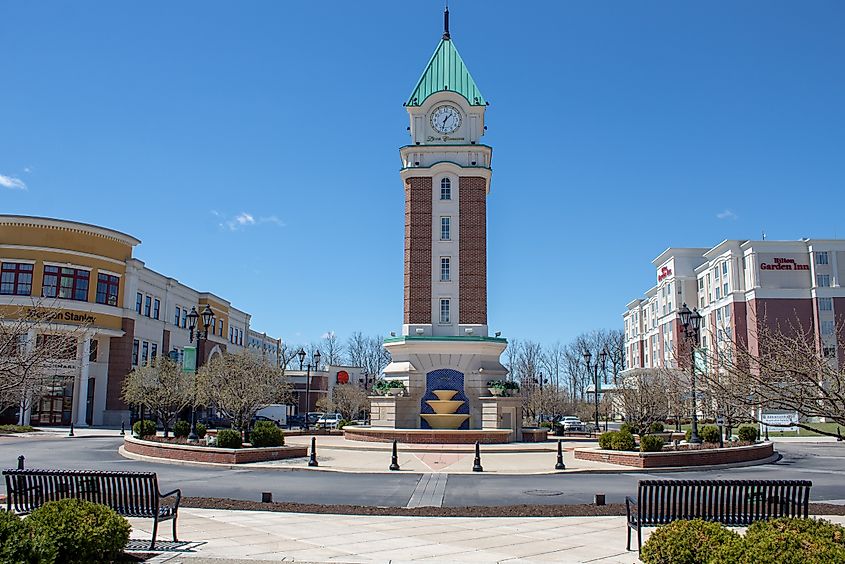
(779, 421)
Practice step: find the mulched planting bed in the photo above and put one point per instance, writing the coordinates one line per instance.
(582, 510)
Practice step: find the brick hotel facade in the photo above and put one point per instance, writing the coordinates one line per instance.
(737, 286)
(87, 275)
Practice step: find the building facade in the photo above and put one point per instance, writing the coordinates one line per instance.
(122, 313)
(738, 286)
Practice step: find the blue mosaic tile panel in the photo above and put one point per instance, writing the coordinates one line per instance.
(444, 379)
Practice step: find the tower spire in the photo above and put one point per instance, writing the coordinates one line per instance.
(446, 35)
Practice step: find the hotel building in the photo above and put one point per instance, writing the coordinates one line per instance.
(737, 287)
(127, 313)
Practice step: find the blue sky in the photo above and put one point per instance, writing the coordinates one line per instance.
(619, 128)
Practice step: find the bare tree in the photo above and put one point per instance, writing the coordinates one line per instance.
(553, 363)
(783, 367)
(37, 353)
(613, 341)
(331, 349)
(644, 398)
(239, 385)
(162, 387)
(347, 399)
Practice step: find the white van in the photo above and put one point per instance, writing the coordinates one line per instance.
(276, 412)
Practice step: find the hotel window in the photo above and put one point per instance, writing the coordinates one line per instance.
(821, 257)
(153, 351)
(107, 286)
(139, 299)
(444, 311)
(716, 273)
(825, 304)
(823, 280)
(148, 305)
(445, 228)
(725, 268)
(444, 269)
(184, 317)
(718, 293)
(16, 279)
(135, 346)
(725, 289)
(220, 327)
(445, 189)
(178, 315)
(828, 327)
(145, 352)
(156, 308)
(65, 283)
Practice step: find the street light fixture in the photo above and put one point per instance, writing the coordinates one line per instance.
(588, 357)
(207, 320)
(691, 324)
(316, 360)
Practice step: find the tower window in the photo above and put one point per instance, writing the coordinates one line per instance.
(445, 311)
(445, 189)
(821, 257)
(445, 268)
(445, 228)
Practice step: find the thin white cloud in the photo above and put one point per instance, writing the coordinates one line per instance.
(244, 220)
(12, 183)
(27, 169)
(726, 214)
(327, 335)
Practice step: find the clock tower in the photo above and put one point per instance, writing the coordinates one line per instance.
(445, 350)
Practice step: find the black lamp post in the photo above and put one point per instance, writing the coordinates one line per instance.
(691, 323)
(316, 361)
(207, 319)
(541, 381)
(595, 368)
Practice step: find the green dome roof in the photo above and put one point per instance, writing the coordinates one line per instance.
(446, 72)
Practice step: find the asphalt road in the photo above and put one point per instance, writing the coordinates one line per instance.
(823, 463)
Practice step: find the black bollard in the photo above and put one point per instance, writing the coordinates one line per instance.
(20, 462)
(266, 497)
(476, 464)
(560, 465)
(394, 460)
(122, 428)
(767, 432)
(721, 437)
(313, 460)
(70, 433)
(838, 434)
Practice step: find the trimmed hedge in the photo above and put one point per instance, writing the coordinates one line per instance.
(149, 428)
(617, 440)
(264, 434)
(747, 433)
(72, 531)
(656, 427)
(181, 428)
(16, 540)
(687, 542)
(783, 541)
(651, 443)
(228, 438)
(629, 428)
(707, 433)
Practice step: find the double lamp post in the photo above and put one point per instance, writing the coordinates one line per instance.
(588, 356)
(316, 363)
(207, 320)
(691, 324)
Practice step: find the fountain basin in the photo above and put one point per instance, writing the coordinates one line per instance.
(444, 406)
(444, 420)
(445, 395)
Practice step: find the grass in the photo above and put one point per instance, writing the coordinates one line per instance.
(829, 427)
(11, 429)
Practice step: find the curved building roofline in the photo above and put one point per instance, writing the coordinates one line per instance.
(36, 221)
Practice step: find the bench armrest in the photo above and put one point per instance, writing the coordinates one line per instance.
(630, 506)
(177, 492)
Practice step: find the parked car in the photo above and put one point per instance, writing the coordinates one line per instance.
(572, 423)
(298, 420)
(329, 420)
(276, 413)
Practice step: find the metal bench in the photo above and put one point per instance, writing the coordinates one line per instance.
(130, 494)
(735, 503)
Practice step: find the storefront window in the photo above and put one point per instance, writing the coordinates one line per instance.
(107, 286)
(16, 279)
(65, 283)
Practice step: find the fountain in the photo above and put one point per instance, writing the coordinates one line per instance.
(444, 416)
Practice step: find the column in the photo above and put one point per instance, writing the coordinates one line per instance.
(84, 369)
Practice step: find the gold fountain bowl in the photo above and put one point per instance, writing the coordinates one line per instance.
(444, 406)
(444, 395)
(444, 420)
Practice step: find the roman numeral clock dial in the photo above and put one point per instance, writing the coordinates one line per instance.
(446, 119)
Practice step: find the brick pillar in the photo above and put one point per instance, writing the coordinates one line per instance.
(473, 250)
(418, 232)
(120, 363)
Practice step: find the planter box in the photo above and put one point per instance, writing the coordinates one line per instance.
(191, 453)
(535, 435)
(674, 459)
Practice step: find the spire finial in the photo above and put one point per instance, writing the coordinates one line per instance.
(446, 23)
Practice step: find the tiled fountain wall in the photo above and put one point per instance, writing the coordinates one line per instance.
(444, 379)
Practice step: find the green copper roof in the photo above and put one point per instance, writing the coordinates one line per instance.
(446, 71)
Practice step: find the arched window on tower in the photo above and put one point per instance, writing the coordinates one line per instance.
(445, 189)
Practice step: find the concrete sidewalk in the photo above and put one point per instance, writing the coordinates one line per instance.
(218, 537)
(228, 536)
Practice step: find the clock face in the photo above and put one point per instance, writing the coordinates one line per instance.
(446, 119)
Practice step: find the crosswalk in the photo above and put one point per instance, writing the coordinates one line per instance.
(429, 491)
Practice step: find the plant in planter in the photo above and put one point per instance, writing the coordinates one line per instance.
(502, 387)
(389, 387)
